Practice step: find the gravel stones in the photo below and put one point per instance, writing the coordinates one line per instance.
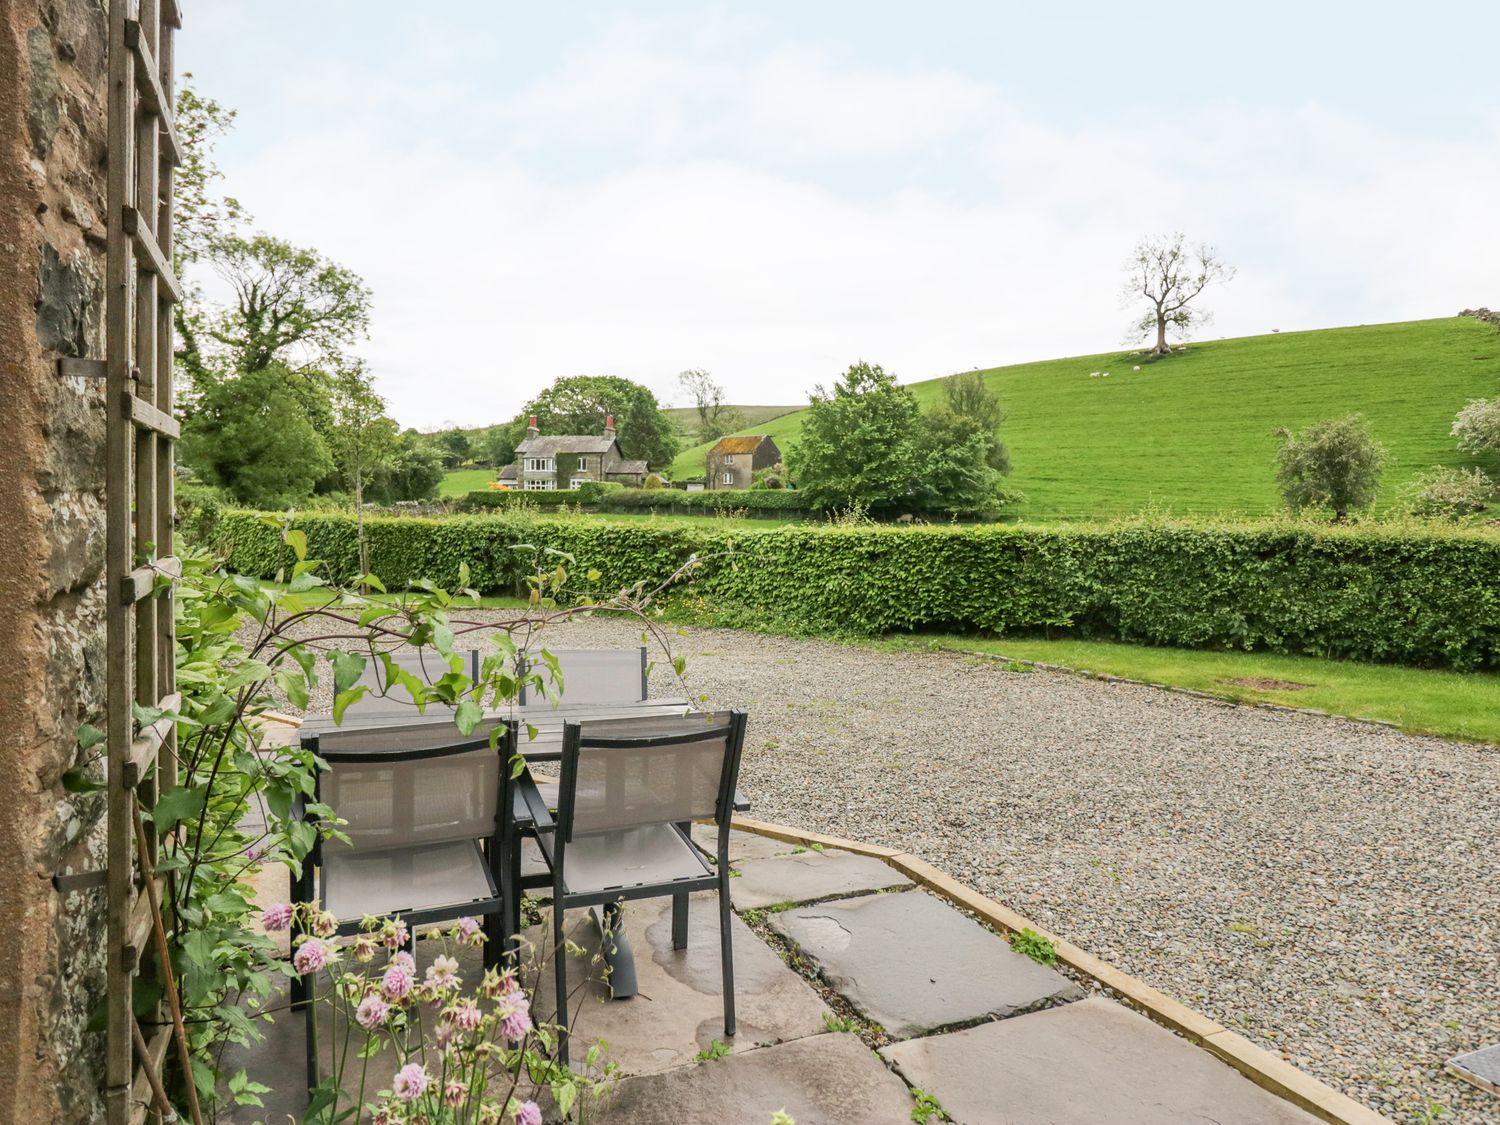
(1328, 889)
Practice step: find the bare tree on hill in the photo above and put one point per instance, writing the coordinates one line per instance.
(1169, 275)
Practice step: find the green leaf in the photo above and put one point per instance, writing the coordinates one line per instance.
(77, 781)
(467, 716)
(301, 583)
(89, 736)
(177, 804)
(297, 541)
(342, 700)
(347, 669)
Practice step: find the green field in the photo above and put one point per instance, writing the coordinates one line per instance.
(1193, 433)
(460, 481)
(1420, 701)
(685, 418)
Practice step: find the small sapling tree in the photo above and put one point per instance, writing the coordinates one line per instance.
(1333, 464)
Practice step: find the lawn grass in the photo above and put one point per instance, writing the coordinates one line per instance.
(1194, 432)
(460, 481)
(1418, 700)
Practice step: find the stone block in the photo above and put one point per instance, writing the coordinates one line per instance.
(1080, 1064)
(914, 965)
(809, 877)
(820, 1080)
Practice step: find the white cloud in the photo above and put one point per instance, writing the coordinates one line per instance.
(661, 202)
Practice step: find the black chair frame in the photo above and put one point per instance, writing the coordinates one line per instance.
(493, 909)
(574, 740)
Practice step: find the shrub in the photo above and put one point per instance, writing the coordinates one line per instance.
(521, 498)
(1477, 426)
(1333, 464)
(1449, 493)
(592, 492)
(1416, 595)
(654, 481)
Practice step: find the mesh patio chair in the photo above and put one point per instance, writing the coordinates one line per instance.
(587, 676)
(629, 788)
(425, 809)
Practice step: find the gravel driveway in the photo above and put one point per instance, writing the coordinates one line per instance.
(1327, 888)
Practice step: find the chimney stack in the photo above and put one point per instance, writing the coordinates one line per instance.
(531, 430)
(609, 427)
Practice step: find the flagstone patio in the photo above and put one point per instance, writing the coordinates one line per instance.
(993, 1036)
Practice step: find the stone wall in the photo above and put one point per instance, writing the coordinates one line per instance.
(52, 182)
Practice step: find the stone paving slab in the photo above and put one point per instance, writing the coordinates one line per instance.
(913, 964)
(821, 1080)
(742, 845)
(679, 1010)
(1081, 1064)
(808, 877)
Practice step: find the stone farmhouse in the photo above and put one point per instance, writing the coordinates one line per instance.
(733, 460)
(544, 464)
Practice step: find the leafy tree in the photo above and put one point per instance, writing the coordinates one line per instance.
(496, 445)
(454, 447)
(579, 404)
(715, 417)
(252, 436)
(1477, 426)
(1442, 493)
(1168, 275)
(414, 472)
(364, 442)
(292, 306)
(859, 443)
(1333, 464)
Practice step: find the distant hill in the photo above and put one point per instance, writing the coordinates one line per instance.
(686, 419)
(1193, 432)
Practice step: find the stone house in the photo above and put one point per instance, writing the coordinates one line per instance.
(544, 464)
(733, 461)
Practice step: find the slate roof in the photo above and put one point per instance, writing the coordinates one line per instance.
(508, 471)
(564, 443)
(627, 467)
(739, 444)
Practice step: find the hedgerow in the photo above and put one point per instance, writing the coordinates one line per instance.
(1410, 594)
(612, 498)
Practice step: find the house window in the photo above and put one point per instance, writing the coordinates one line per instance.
(729, 458)
(541, 465)
(576, 481)
(728, 478)
(583, 464)
(541, 486)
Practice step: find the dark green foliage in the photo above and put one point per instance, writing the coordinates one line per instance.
(608, 496)
(868, 444)
(1413, 596)
(253, 437)
(1333, 464)
(579, 404)
(858, 443)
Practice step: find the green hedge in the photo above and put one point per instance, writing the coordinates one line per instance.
(609, 497)
(1409, 595)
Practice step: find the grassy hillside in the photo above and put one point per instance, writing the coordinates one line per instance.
(685, 418)
(1194, 432)
(459, 481)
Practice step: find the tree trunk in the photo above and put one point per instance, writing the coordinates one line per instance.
(359, 515)
(1161, 337)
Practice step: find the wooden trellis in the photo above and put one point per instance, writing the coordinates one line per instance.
(143, 150)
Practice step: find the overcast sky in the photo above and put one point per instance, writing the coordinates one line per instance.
(773, 191)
